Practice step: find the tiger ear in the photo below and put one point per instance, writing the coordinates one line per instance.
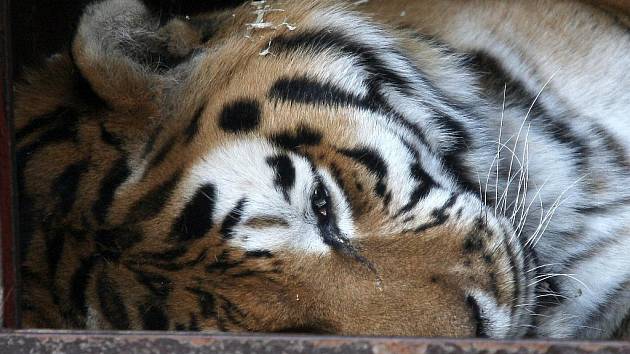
(126, 54)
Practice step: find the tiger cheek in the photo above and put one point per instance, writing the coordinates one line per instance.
(339, 296)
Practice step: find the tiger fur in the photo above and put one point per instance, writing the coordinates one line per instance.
(451, 168)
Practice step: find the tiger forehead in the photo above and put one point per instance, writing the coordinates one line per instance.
(244, 38)
(262, 48)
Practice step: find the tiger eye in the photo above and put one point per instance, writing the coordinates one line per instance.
(320, 202)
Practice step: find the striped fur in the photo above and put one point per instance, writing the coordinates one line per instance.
(452, 168)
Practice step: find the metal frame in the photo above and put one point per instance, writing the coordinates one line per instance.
(154, 342)
(38, 341)
(8, 249)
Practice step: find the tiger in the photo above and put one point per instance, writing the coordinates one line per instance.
(409, 168)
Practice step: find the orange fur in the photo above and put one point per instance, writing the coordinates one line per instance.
(416, 288)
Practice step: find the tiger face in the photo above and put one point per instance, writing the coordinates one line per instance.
(287, 167)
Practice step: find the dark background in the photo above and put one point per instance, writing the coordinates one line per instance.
(43, 27)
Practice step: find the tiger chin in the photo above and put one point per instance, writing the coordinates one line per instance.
(418, 168)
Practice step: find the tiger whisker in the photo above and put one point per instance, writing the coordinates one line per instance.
(522, 184)
(543, 277)
(518, 135)
(542, 266)
(500, 147)
(496, 182)
(522, 223)
(544, 223)
(556, 204)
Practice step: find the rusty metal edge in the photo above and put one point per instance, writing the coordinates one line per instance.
(70, 342)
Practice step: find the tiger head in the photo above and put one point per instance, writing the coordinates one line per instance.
(283, 167)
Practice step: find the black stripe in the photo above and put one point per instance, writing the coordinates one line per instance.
(453, 157)
(259, 254)
(206, 302)
(336, 173)
(154, 318)
(479, 321)
(607, 208)
(623, 329)
(615, 300)
(160, 156)
(420, 192)
(164, 256)
(419, 174)
(196, 218)
(232, 219)
(379, 71)
(111, 243)
(172, 266)
(193, 127)
(110, 139)
(285, 173)
(564, 134)
(151, 139)
(64, 128)
(308, 91)
(240, 116)
(455, 165)
(323, 41)
(65, 186)
(373, 161)
(473, 242)
(193, 323)
(55, 241)
(112, 304)
(41, 122)
(295, 139)
(614, 147)
(304, 90)
(159, 285)
(152, 203)
(79, 283)
(454, 160)
(26, 218)
(222, 263)
(592, 251)
(518, 273)
(426, 183)
(439, 215)
(113, 179)
(83, 89)
(234, 314)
